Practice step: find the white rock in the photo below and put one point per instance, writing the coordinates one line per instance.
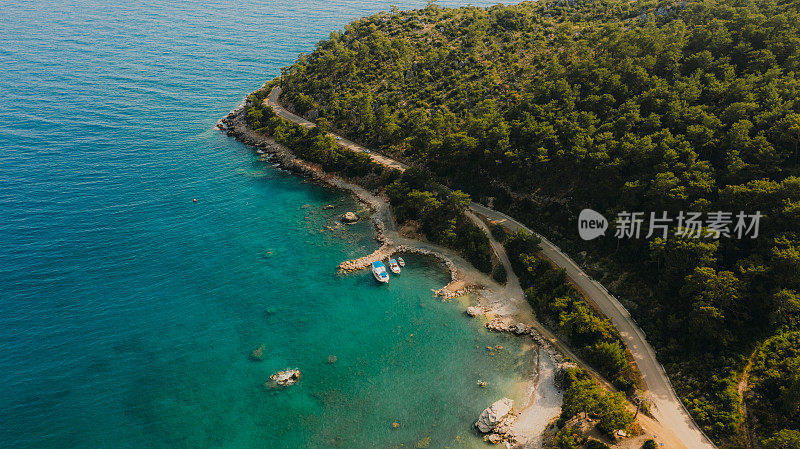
(494, 415)
(349, 217)
(474, 311)
(285, 378)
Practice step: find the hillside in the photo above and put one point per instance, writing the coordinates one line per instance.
(551, 107)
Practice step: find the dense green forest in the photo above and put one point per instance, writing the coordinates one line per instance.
(550, 107)
(558, 304)
(582, 396)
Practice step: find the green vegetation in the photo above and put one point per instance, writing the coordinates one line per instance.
(440, 212)
(499, 274)
(313, 145)
(647, 105)
(595, 444)
(582, 395)
(650, 444)
(559, 304)
(785, 439)
(775, 388)
(569, 438)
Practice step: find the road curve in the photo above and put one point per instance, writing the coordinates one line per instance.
(666, 407)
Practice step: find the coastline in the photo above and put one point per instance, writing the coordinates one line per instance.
(463, 277)
(527, 429)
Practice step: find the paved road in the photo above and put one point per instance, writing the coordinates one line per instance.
(666, 407)
(280, 110)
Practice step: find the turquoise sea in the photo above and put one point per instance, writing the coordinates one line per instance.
(127, 311)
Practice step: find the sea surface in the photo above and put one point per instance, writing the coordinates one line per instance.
(128, 311)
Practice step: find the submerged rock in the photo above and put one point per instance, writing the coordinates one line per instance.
(284, 378)
(258, 353)
(349, 217)
(494, 415)
(332, 359)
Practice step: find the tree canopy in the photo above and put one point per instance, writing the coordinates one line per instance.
(553, 106)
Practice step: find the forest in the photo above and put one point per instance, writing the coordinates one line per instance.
(562, 307)
(545, 108)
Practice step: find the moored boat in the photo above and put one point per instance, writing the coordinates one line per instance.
(379, 271)
(394, 266)
(401, 261)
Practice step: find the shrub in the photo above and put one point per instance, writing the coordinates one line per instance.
(596, 444)
(499, 274)
(499, 232)
(569, 438)
(785, 439)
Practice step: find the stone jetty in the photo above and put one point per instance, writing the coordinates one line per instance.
(385, 251)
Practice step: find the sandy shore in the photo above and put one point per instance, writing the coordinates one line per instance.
(542, 399)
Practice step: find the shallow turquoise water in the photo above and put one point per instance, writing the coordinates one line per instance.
(127, 311)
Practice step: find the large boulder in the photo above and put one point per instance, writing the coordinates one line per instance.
(349, 217)
(494, 415)
(284, 378)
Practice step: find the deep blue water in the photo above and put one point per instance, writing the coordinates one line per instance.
(127, 310)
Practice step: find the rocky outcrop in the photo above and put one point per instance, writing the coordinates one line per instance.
(499, 324)
(561, 372)
(520, 329)
(349, 217)
(283, 378)
(474, 311)
(494, 415)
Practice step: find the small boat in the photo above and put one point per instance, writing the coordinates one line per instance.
(401, 261)
(379, 271)
(394, 266)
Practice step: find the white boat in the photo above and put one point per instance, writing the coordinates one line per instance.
(394, 266)
(401, 261)
(379, 271)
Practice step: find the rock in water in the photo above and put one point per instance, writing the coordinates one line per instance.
(284, 378)
(349, 217)
(494, 415)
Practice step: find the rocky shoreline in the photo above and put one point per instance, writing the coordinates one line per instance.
(235, 126)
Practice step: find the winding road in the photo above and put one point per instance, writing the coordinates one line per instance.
(666, 407)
